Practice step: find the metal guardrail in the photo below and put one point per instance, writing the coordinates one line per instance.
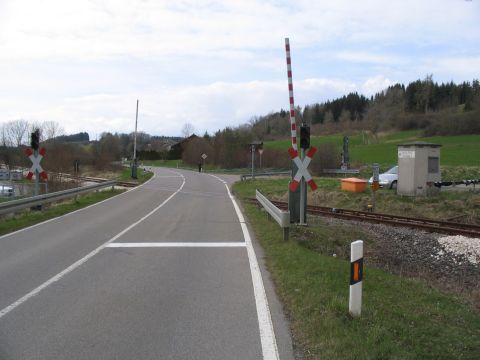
(20, 204)
(281, 217)
(340, 171)
(276, 173)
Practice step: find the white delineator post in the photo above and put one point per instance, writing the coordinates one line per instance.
(293, 125)
(356, 277)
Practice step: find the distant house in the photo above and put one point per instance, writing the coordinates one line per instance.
(176, 150)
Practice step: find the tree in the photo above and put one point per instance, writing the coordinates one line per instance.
(51, 130)
(187, 130)
(194, 150)
(16, 131)
(4, 140)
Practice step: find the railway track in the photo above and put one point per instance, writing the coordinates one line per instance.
(95, 179)
(445, 227)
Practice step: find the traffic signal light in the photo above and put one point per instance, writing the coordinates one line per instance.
(35, 142)
(304, 137)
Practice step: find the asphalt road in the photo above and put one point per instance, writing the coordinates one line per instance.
(165, 271)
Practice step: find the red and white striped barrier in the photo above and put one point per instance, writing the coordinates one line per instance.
(36, 163)
(302, 168)
(293, 125)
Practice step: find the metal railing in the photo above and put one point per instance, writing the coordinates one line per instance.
(20, 204)
(280, 216)
(341, 171)
(273, 173)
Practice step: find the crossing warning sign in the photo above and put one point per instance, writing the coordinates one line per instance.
(35, 159)
(302, 168)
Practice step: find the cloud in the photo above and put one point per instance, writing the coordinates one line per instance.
(92, 29)
(457, 68)
(164, 111)
(216, 63)
(376, 84)
(368, 57)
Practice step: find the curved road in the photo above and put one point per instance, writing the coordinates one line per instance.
(165, 271)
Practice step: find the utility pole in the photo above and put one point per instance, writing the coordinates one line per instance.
(134, 165)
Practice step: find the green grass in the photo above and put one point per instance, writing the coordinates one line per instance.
(401, 318)
(181, 165)
(28, 218)
(163, 163)
(456, 150)
(142, 176)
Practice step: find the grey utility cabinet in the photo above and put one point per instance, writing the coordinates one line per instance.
(418, 168)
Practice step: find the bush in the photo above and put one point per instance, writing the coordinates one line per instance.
(454, 124)
(327, 157)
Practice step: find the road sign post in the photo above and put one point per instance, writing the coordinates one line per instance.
(255, 145)
(260, 152)
(253, 161)
(204, 156)
(375, 182)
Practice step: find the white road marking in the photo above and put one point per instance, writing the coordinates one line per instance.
(176, 244)
(169, 176)
(267, 334)
(72, 267)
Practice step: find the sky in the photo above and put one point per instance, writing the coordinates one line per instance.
(214, 63)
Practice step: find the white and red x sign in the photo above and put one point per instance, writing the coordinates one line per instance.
(302, 168)
(36, 163)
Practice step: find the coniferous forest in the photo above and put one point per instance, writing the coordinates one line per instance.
(443, 109)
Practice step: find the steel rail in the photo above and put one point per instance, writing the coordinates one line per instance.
(95, 179)
(403, 221)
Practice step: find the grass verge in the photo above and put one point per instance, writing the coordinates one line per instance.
(28, 218)
(126, 175)
(401, 318)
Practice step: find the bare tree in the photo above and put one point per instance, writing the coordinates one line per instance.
(187, 130)
(4, 139)
(51, 129)
(17, 131)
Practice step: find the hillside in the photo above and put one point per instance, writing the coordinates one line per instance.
(365, 149)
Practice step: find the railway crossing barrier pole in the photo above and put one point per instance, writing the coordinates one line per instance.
(356, 277)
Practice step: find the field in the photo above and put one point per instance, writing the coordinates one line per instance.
(461, 150)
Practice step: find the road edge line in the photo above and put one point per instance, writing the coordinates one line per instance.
(265, 324)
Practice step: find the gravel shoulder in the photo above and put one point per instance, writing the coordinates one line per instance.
(450, 263)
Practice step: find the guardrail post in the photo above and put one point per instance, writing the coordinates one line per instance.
(281, 217)
(356, 277)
